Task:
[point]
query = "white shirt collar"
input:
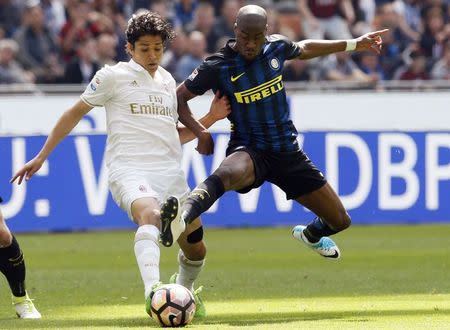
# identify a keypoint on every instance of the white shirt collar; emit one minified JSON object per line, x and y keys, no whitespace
{"x":136,"y":66}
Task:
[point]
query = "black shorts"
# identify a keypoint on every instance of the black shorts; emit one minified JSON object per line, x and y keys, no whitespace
{"x":1,"y":200}
{"x":293,"y":172}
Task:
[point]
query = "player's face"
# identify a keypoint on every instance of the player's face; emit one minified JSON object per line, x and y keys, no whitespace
{"x":147,"y":51}
{"x":249,"y":42}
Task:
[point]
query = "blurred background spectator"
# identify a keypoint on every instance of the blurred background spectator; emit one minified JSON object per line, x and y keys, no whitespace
{"x":196,"y":53}
{"x":82,"y":67}
{"x":38,"y":49}
{"x":10,"y":70}
{"x":51,"y":36}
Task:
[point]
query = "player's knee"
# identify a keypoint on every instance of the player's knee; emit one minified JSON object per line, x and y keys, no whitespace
{"x":196,"y":236}
{"x":5,"y":237}
{"x":147,"y":216}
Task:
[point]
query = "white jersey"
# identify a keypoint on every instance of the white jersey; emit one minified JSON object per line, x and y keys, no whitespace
{"x":141,"y":117}
{"x":143,"y":151}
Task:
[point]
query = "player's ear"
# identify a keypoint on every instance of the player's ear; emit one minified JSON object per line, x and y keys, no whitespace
{"x":129,"y":48}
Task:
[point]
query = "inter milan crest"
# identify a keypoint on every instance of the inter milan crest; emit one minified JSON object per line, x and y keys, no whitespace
{"x":274,"y":64}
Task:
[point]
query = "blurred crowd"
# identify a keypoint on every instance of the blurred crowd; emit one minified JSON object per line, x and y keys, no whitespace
{"x":67,"y":41}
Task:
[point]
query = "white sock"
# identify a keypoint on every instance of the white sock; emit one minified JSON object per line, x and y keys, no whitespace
{"x":188,"y":270}
{"x":146,"y":249}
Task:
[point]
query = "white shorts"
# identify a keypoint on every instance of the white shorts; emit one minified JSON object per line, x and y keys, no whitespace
{"x":130,"y":185}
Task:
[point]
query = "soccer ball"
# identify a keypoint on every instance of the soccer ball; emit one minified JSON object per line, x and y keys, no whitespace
{"x":173,"y":305}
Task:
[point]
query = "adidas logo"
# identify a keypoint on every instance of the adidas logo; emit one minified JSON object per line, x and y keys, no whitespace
{"x":133,"y":84}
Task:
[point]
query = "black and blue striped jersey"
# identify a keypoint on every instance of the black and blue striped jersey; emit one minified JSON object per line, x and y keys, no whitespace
{"x":259,"y":109}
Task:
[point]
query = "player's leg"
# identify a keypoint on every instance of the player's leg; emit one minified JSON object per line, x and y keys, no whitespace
{"x":236,"y":171}
{"x":191,"y":259}
{"x":12,"y":265}
{"x":145,"y":213}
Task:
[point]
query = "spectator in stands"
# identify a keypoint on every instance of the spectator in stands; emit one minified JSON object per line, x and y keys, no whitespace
{"x":106,"y":49}
{"x":224,"y":25}
{"x":38,"y":51}
{"x":10,"y":70}
{"x":296,"y":71}
{"x":184,"y":11}
{"x":387,"y":17}
{"x":55,"y":16}
{"x":391,"y":55}
{"x":416,"y":69}
{"x":435,"y":34}
{"x":203,"y":21}
{"x":364,"y":12}
{"x":341,"y":67}
{"x":162,"y":8}
{"x":197,"y":53}
{"x":9,"y":16}
{"x":322,"y":18}
{"x":441,"y":69}
{"x":77,"y":29}
{"x":84,"y":66}
{"x":177,"y":48}
{"x":370,"y":65}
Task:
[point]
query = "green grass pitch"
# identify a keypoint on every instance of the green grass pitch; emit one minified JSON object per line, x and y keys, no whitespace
{"x":390,"y":277}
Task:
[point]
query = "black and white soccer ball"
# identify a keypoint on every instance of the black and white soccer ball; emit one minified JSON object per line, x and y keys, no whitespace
{"x":172,"y":305}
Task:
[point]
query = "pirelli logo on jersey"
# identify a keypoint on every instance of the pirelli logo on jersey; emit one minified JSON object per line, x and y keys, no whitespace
{"x":261,"y":91}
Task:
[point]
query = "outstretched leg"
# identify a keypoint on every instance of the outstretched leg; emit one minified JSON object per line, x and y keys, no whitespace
{"x":12,"y":265}
{"x":234,"y":173}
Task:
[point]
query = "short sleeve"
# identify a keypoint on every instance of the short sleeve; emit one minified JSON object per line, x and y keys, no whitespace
{"x":100,"y":89}
{"x":290,"y":49}
{"x":201,"y":79}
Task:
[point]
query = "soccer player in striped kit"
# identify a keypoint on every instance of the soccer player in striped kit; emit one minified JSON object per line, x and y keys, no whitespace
{"x":263,"y":143}
{"x":12,"y":265}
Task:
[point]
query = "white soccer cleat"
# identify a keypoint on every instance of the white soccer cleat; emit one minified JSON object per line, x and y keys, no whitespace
{"x":171,"y":223}
{"x":25,"y":308}
{"x":326,"y":247}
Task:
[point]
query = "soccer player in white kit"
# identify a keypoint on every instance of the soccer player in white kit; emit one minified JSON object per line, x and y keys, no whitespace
{"x":143,"y":151}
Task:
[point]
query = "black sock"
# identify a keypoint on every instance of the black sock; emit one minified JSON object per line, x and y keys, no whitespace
{"x":12,"y":265}
{"x":202,"y":197}
{"x":316,"y":229}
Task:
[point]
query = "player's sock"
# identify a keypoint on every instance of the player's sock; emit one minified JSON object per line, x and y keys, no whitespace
{"x":317,"y":229}
{"x":202,"y":197}
{"x":188,"y":271}
{"x":146,"y":249}
{"x":12,"y":265}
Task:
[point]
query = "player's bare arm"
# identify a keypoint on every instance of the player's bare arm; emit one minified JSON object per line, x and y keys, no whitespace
{"x":371,"y":41}
{"x":220,"y":109}
{"x":205,"y":142}
{"x":64,"y":126}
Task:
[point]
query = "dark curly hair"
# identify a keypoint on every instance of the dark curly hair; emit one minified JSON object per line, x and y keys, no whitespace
{"x":148,"y":23}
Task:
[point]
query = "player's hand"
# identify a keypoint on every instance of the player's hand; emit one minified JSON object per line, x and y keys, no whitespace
{"x":205,"y":144}
{"x":371,"y":41}
{"x":28,"y":170}
{"x":220,"y":107}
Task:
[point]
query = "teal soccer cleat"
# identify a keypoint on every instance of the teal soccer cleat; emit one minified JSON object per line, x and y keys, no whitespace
{"x":325,"y":247}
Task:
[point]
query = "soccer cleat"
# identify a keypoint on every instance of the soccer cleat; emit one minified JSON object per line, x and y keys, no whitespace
{"x":148,"y":300}
{"x":200,"y":310}
{"x":171,"y":223}
{"x":325,"y":246}
{"x":25,"y":308}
